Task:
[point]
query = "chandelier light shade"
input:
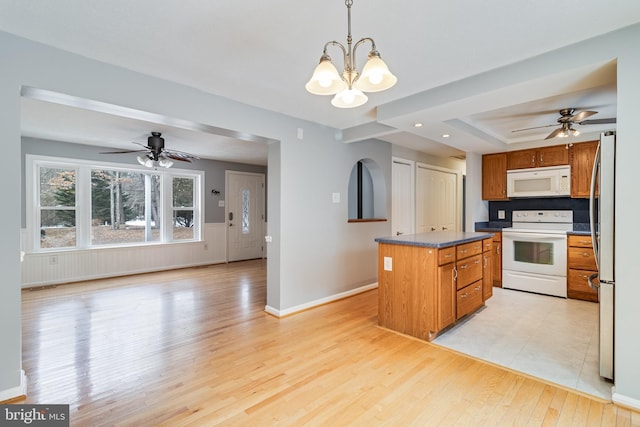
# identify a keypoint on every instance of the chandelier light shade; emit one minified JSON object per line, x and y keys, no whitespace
{"x":348,"y":88}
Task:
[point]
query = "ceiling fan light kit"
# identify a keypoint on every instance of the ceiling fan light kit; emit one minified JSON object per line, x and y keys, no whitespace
{"x":348,"y":88}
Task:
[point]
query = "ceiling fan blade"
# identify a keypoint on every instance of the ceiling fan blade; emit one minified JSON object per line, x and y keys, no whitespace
{"x":121,"y":152}
{"x":536,"y":127}
{"x":179,"y":154}
{"x":597,"y":121}
{"x":554,"y":133}
{"x":582,"y":115}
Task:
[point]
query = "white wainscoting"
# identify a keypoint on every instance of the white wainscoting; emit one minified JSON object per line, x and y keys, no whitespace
{"x":39,"y":269}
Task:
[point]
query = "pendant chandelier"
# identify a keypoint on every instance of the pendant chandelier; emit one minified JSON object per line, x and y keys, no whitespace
{"x":348,"y":88}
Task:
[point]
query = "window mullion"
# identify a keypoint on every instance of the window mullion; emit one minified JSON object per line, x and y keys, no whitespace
{"x":83,"y":207}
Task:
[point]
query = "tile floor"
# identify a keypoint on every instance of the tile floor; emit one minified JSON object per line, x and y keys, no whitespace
{"x":548,"y":337}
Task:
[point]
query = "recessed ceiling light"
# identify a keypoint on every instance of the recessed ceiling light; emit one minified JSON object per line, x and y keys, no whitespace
{"x":445,"y":135}
{"x":417,"y":125}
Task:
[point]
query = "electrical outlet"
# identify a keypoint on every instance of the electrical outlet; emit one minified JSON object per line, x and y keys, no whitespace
{"x":206,"y":247}
{"x":388,"y":263}
{"x":53,"y":260}
{"x":501,"y":214}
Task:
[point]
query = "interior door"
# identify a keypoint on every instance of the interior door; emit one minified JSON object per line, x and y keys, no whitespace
{"x":436,"y":196}
{"x":402,"y":201}
{"x":245,"y":215}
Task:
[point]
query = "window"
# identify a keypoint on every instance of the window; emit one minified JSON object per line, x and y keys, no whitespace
{"x":57,"y":207}
{"x":80,"y":205}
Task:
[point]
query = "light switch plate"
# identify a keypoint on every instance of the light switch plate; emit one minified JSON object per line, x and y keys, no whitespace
{"x":501,"y":214}
{"x":335,"y":197}
{"x":388,"y":263}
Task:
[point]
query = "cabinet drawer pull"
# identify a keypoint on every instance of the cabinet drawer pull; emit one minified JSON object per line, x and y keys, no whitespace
{"x":462,"y":267}
{"x":585,"y":254}
{"x":477,"y":261}
{"x":464,"y":295}
{"x":448,"y":255}
{"x":464,"y":251}
{"x":477,"y":288}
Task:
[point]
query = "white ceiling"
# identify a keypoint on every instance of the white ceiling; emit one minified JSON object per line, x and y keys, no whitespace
{"x":262,"y":53}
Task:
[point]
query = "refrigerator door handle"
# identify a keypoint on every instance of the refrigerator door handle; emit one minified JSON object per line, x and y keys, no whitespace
{"x":592,"y":206}
{"x":593,"y":285}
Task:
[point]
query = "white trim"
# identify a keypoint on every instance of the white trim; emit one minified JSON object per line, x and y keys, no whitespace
{"x":623,"y":400}
{"x":319,"y":302}
{"x":14,"y":392}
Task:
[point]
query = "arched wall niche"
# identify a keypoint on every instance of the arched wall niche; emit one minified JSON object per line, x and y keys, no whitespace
{"x":367,"y":192}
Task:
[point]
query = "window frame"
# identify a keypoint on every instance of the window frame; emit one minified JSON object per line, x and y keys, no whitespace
{"x":83,"y":169}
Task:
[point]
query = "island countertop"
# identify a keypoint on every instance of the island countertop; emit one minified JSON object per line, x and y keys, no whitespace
{"x":435,"y":239}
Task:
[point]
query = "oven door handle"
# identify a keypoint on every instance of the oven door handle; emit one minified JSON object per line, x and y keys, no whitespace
{"x":532,"y":236}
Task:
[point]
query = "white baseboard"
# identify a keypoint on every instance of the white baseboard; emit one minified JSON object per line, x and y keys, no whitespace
{"x":626,"y":401}
{"x":14,"y":392}
{"x":318,"y":302}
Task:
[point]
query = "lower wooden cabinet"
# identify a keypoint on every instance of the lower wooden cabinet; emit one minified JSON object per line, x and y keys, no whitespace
{"x":487,"y":269}
{"x":581,"y":263}
{"x":446,"y":313}
{"x":469,"y":299}
{"x":423,"y":290}
{"x":497,"y":259}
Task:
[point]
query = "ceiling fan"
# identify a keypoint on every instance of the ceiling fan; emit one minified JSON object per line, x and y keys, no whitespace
{"x":569,"y":117}
{"x":156,"y":153}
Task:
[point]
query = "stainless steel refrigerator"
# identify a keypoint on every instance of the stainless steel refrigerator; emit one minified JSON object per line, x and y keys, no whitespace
{"x":601,"y":212}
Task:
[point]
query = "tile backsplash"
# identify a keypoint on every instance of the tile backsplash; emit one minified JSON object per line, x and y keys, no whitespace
{"x":580,"y":207}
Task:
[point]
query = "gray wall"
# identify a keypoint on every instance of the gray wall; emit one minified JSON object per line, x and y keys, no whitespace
{"x":214,"y":170}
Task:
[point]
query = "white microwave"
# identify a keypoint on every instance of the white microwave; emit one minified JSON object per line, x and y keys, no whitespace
{"x":553,"y":181}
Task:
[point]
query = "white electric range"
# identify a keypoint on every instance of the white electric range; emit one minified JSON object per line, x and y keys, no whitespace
{"x":535,"y":252}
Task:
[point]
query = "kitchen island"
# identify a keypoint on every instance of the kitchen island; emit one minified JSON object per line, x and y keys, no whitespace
{"x":428,"y":281}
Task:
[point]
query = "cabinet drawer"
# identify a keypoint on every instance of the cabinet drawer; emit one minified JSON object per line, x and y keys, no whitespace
{"x":469,"y":270}
{"x":446,"y":255}
{"x":487,"y":245}
{"x":469,"y":249}
{"x":578,"y":285}
{"x":579,"y":241}
{"x":468,"y":299}
{"x":581,"y":259}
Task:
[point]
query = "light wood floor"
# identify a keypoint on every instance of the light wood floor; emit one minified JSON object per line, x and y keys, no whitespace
{"x":194,"y":347}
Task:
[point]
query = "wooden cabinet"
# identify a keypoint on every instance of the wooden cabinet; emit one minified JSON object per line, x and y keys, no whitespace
{"x":581,"y":264}
{"x":469,"y":281}
{"x":582,"y":156}
{"x":423,"y":290}
{"x":446,"y":313}
{"x":538,"y":157}
{"x":487,"y":269}
{"x":497,"y":259}
{"x":494,"y":176}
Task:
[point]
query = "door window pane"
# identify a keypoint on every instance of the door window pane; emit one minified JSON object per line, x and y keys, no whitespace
{"x":245,"y":211}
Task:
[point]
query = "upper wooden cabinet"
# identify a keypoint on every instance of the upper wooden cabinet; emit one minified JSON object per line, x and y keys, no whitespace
{"x":582,"y":156}
{"x":494,"y":176}
{"x":538,"y":157}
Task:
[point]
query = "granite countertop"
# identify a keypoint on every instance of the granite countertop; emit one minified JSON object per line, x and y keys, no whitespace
{"x":436,"y":239}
